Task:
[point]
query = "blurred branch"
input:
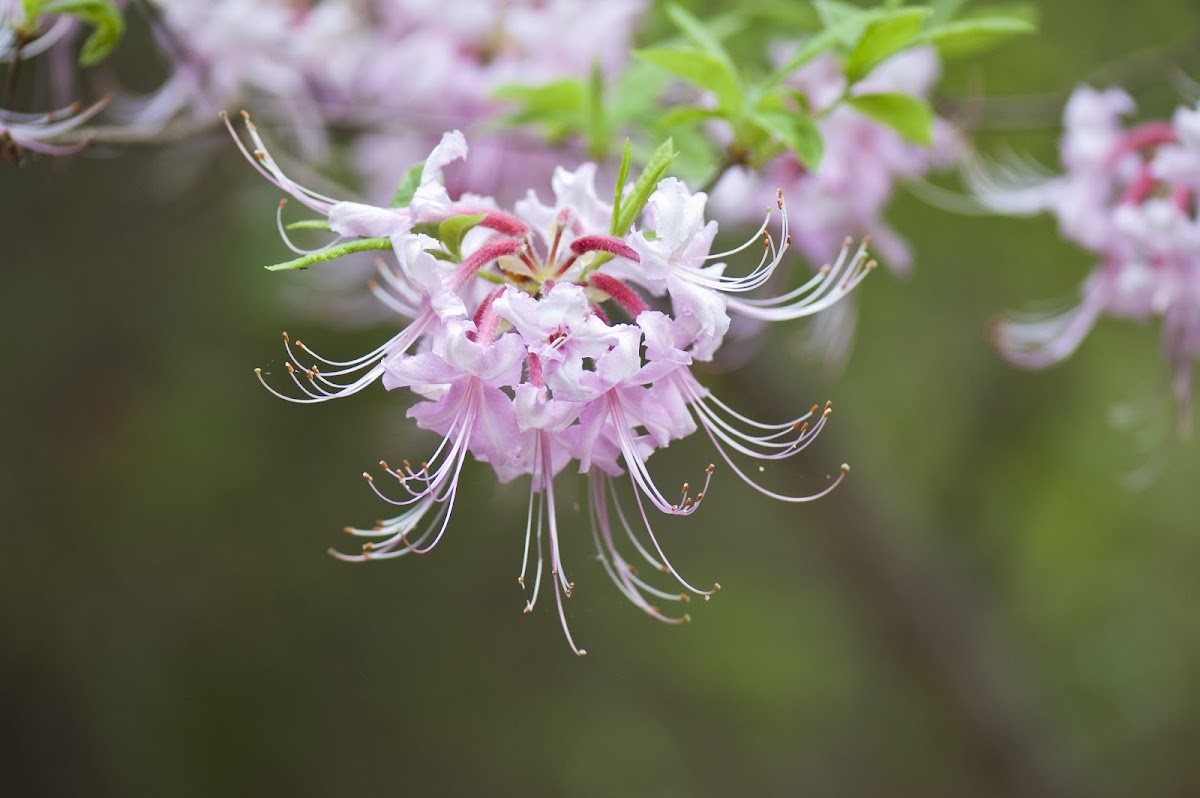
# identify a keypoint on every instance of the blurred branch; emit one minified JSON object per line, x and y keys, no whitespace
{"x":926,"y":612}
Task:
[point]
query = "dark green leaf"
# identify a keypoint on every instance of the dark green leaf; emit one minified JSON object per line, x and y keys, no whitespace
{"x":909,"y":116}
{"x":408,"y":186}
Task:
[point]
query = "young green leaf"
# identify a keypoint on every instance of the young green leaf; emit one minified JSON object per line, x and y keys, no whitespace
{"x":332,"y":252}
{"x":834,"y":13}
{"x":797,"y":131}
{"x":655,"y":169}
{"x":883,"y":38}
{"x":452,"y":231}
{"x":408,"y":186}
{"x":699,"y":34}
{"x":309,"y":224}
{"x":968,"y":36}
{"x":103,"y":16}
{"x":622,"y":176}
{"x":909,"y":116}
{"x":595,"y":124}
{"x":686,"y":115}
{"x":555,"y":103}
{"x":700,"y":69}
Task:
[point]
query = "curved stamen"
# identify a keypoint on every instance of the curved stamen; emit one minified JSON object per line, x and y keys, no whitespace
{"x":832,"y":283}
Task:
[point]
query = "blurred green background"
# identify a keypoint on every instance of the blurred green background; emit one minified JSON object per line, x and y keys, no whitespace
{"x":983,"y":609}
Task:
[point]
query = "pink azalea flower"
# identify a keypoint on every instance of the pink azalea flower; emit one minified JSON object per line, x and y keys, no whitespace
{"x":1129,"y":194}
{"x":533,"y":345}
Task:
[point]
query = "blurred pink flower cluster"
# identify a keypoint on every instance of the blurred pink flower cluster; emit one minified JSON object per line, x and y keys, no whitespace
{"x":863,"y":159}
{"x":1129,"y":195}
{"x":555,"y":334}
{"x":400,"y":71}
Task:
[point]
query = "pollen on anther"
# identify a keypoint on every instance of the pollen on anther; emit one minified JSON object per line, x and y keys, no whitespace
{"x":368,"y":546}
{"x":290,"y":369}
{"x":286,"y":338}
{"x":349,"y":530}
{"x":283,"y":203}
{"x":845,"y":468}
{"x":368,"y":477}
{"x":710,"y":468}
{"x":685,"y":597}
{"x":383,"y":464}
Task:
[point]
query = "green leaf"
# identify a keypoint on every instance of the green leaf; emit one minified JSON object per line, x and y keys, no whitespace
{"x":595,"y":124}
{"x":883,"y":38}
{"x":686,"y":115}
{"x":557,"y":104}
{"x":622,"y":176}
{"x":309,"y":224}
{"x":100,"y":14}
{"x":332,"y":252}
{"x":909,"y":116}
{"x":797,"y":131}
{"x":943,"y":10}
{"x":452,"y":231}
{"x":700,"y":69}
{"x":834,"y":13}
{"x":699,"y":34}
{"x":845,"y":28}
{"x":408,"y":186}
{"x":32,"y":9}
{"x":969,"y":36}
{"x":655,"y":169}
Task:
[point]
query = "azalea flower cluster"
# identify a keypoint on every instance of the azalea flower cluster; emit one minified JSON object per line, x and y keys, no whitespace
{"x":23,"y":38}
{"x":556,"y":334}
{"x":1129,"y":195}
